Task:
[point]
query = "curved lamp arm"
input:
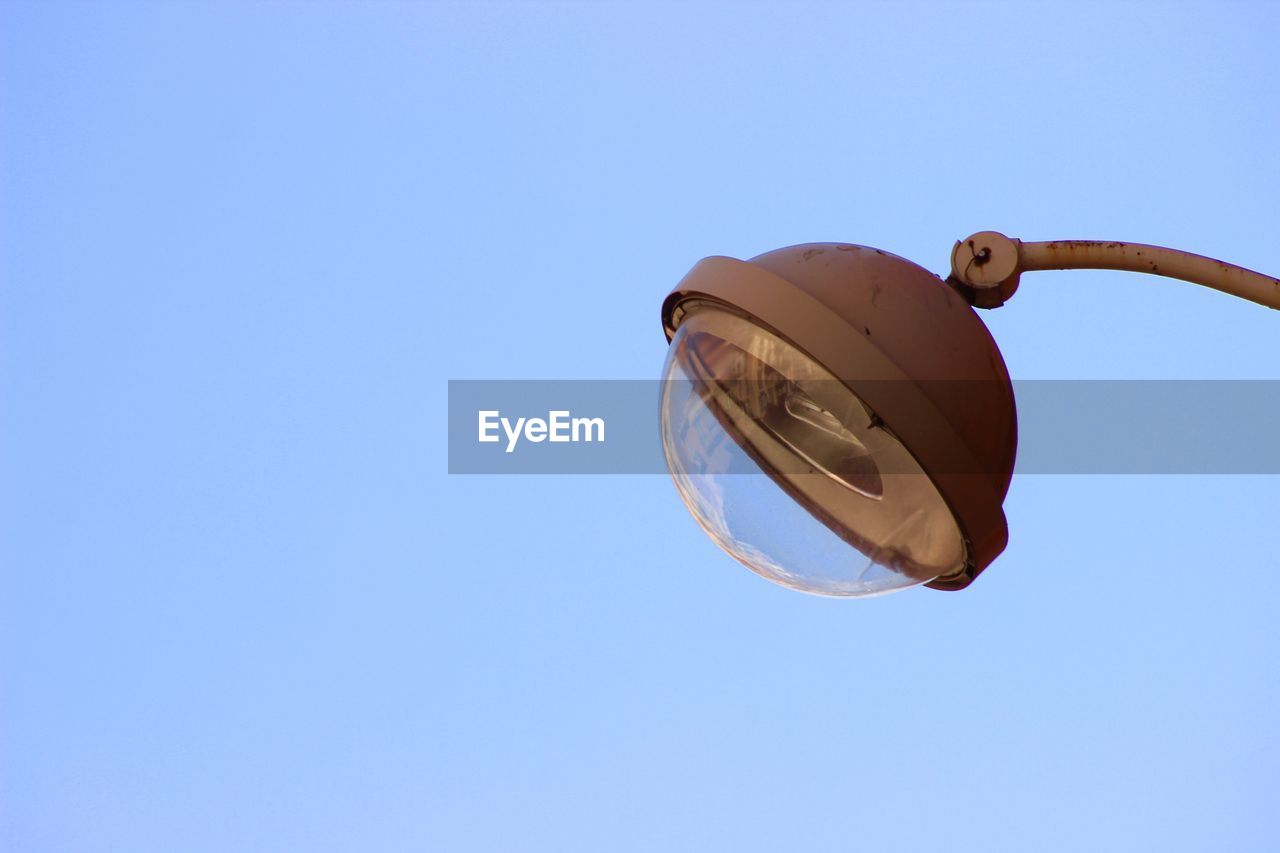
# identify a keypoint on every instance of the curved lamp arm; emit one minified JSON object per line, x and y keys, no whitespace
{"x":985,"y":267}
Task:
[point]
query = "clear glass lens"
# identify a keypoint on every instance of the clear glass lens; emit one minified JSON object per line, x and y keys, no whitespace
{"x":843,"y":508}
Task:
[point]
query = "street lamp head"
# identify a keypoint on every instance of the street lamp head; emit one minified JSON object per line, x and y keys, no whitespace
{"x":838,"y":419}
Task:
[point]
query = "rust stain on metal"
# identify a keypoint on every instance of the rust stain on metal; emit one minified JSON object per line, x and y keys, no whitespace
{"x":1072,"y":245}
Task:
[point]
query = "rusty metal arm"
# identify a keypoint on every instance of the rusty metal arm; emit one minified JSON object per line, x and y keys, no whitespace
{"x":985,"y":267}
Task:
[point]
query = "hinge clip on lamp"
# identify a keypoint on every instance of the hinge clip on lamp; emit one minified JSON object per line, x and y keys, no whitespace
{"x":840,"y":421}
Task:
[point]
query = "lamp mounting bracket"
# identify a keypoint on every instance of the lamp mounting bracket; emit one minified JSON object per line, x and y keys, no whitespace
{"x":986,"y":267}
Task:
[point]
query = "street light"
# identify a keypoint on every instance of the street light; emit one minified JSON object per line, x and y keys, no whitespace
{"x":839,"y":419}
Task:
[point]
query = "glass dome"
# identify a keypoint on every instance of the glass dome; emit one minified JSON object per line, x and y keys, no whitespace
{"x":788,"y":471}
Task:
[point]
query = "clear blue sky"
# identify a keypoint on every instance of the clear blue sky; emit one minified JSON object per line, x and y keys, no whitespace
{"x":243,"y":607}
